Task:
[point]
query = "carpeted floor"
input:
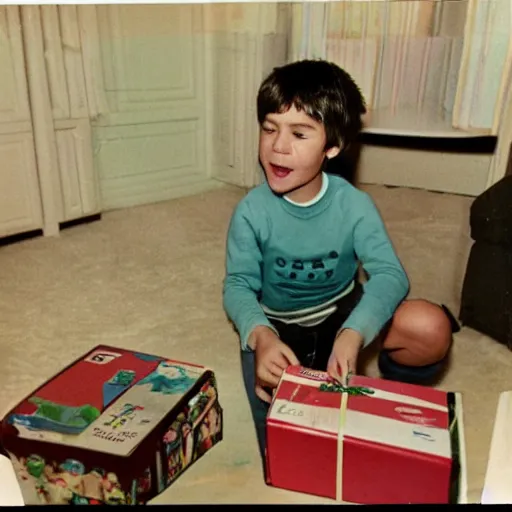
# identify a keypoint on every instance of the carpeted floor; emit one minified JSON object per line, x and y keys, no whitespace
{"x":149,"y":278}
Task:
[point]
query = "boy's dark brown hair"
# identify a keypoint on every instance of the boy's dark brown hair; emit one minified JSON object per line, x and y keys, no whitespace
{"x":323,"y":91}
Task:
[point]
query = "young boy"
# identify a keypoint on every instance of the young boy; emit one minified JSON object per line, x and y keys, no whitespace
{"x":295,"y":242}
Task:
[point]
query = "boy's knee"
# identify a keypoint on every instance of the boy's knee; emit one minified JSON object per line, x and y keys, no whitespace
{"x":424,"y":332}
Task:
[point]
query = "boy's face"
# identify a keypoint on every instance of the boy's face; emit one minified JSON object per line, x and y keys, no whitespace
{"x":292,"y":150}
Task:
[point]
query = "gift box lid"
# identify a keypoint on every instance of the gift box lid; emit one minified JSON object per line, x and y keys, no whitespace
{"x":107,"y":401}
{"x":403,"y":416}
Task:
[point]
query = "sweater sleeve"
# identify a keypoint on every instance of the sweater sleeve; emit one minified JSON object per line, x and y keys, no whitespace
{"x":387,"y":285}
{"x":242,"y":283}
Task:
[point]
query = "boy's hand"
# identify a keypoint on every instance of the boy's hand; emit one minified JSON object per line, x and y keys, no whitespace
{"x":343,"y":359}
{"x":272,"y":357}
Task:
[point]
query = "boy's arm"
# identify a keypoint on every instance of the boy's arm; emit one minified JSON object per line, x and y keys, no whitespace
{"x":242,"y":283}
{"x":387,"y":285}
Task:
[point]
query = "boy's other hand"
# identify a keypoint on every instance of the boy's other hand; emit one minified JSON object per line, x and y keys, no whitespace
{"x":343,"y":359}
{"x":272,"y":357}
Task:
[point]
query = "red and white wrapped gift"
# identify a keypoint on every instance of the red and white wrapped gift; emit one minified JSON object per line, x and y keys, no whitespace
{"x":375,"y":442}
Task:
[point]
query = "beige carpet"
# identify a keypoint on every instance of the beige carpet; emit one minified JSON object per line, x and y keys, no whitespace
{"x":149,"y":279}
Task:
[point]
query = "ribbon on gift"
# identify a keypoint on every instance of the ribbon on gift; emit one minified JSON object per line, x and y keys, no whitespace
{"x":345,"y":391}
{"x":339,"y":458}
{"x":349,"y":390}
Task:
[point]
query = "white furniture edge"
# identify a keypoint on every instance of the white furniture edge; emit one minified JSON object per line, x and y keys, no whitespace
{"x":463,"y":477}
{"x":497,"y":489}
{"x":10,"y":492}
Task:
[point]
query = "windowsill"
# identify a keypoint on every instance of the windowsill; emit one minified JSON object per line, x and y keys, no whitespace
{"x":410,"y":122}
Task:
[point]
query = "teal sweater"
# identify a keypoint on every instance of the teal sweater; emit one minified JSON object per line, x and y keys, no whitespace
{"x":290,"y":257}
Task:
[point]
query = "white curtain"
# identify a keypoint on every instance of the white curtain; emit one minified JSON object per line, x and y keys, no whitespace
{"x":423,"y":65}
{"x":484,"y":75}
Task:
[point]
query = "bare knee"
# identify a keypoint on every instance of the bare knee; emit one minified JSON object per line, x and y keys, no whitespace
{"x":420,"y":333}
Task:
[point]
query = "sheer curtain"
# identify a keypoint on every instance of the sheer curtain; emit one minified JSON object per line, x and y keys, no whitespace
{"x":484,"y":75}
{"x":426,"y":66}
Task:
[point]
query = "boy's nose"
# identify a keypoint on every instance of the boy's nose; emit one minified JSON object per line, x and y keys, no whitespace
{"x":281,"y":144}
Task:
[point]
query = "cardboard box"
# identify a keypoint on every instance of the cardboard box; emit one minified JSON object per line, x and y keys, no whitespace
{"x":114,"y":427}
{"x":379,"y":442}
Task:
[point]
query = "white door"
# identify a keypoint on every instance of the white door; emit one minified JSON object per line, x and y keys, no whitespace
{"x":76,"y":184}
{"x":20,"y":204}
{"x":144,"y":67}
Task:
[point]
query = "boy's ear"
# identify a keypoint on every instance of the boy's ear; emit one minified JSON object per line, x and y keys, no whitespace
{"x":332,"y":152}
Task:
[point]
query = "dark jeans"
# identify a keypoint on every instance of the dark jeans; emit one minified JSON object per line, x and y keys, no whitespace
{"x":313,"y":345}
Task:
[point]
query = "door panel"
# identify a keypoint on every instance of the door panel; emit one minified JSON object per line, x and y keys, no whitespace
{"x":149,"y":137}
{"x":76,"y":182}
{"x":20,"y":203}
{"x":14,"y":104}
{"x":80,"y":194}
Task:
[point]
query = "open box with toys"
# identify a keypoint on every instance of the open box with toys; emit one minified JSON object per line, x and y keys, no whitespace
{"x":114,"y":427}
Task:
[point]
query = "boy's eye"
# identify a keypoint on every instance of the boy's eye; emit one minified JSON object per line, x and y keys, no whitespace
{"x":267,"y":129}
{"x":299,"y":135}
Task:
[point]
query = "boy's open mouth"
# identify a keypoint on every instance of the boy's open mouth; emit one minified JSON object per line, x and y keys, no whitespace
{"x":280,"y":171}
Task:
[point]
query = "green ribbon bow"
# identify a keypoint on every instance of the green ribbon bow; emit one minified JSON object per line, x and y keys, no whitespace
{"x":350,"y":390}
